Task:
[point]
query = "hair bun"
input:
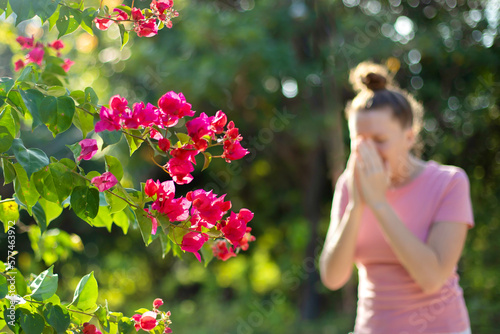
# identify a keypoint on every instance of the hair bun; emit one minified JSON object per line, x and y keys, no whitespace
{"x":374,"y":81}
{"x":370,"y":76}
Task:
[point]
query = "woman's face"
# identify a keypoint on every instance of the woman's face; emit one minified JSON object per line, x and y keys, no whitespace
{"x":392,"y":141}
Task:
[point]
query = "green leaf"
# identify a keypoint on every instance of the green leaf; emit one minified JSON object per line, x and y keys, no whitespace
{"x":207,"y":253}
{"x":29,"y":74}
{"x":13,"y":319}
{"x":78,"y":95}
{"x":68,"y":21}
{"x":32,"y":159}
{"x":5,"y":86}
{"x":32,"y":99}
{"x":6,"y":139}
{"x":85,"y":202}
{"x":116,"y":204}
{"x":4,"y":288}
{"x":52,"y":210}
{"x":83,"y":121}
{"x":9,"y":211}
{"x":23,"y":10}
{"x":45,"y":285}
{"x":44,"y":9}
{"x":124,"y":35}
{"x":55,"y":182}
{"x":9,"y":119}
{"x":25,"y":191}
{"x":91,"y":96}
{"x":126,"y":326}
{"x":57,"y":316}
{"x":114,"y":166}
{"x":88,"y":16}
{"x":102,"y":315}
{"x":40,"y":217}
{"x":53,"y":19}
{"x":183,"y":138}
{"x":208,"y":159}
{"x":57,"y":113}
{"x":133,"y":142}
{"x":85,"y":296}
{"x":32,"y":323}
{"x":166,"y":244}
{"x":9,"y":172}
{"x":110,"y":137}
{"x":103,"y":218}
{"x":145,"y":225}
{"x":20,"y":282}
{"x":57,"y":91}
{"x":16,"y":99}
{"x":123,"y":219}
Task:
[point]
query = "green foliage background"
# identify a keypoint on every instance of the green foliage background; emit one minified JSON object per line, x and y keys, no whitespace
{"x":237,"y":56}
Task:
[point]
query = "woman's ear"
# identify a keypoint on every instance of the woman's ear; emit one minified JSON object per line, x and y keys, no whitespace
{"x":410,"y":138}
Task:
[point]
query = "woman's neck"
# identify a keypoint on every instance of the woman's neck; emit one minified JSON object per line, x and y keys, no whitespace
{"x":407,"y":171}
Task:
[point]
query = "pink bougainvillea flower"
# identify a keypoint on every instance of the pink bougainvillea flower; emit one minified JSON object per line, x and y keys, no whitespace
{"x":221,"y":251}
{"x":18,"y":65}
{"x":67,"y":64}
{"x":161,"y":5}
{"x":26,"y":42}
{"x":169,"y":26}
{"x":180,"y":170}
{"x":112,"y":118}
{"x":243,"y":242}
{"x":207,"y":208}
{"x":151,"y":187}
{"x":173,"y":107}
{"x":167,"y":330}
{"x":121,"y":14}
{"x":154,"y":222}
{"x":148,"y":321}
{"x":56,"y":45}
{"x":233,"y":150}
{"x":104,"y":182}
{"x":218,"y":122}
{"x":137,"y":14}
{"x":198,"y":128}
{"x":140,"y":115}
{"x":147,"y":28}
{"x":232,"y":132}
{"x":164,"y":144}
{"x":90,"y":329}
{"x":155,"y":134}
{"x":186,"y":152}
{"x":193,"y":241}
{"x":157,"y":302}
{"x":89,"y":148}
{"x":36,"y":55}
{"x":234,"y":227}
{"x":102,"y":23}
{"x":176,"y":209}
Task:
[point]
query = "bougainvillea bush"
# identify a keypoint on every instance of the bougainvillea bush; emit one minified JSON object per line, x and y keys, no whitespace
{"x":201,"y":223}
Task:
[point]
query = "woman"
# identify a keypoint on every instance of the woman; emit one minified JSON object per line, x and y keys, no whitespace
{"x":402,"y":221}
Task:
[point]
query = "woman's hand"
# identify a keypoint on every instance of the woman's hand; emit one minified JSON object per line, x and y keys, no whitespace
{"x":355,"y":199}
{"x":371,"y":174}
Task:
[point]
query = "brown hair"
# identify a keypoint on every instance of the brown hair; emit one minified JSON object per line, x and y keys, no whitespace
{"x":376,"y":89}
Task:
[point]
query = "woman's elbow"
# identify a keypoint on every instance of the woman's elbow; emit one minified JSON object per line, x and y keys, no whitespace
{"x":333,"y":283}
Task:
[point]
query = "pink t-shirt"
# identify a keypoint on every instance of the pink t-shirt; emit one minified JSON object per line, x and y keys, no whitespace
{"x":389,"y":300}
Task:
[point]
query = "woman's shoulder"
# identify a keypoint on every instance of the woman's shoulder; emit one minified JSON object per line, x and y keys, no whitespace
{"x":446,"y":174}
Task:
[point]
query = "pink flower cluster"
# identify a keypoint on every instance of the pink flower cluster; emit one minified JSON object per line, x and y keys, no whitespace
{"x":37,"y":52}
{"x":146,"y":22}
{"x":171,"y":108}
{"x":90,"y":329}
{"x":148,"y":320}
{"x":204,"y":211}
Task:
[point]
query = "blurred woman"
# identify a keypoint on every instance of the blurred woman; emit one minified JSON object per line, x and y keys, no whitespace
{"x":402,"y":221}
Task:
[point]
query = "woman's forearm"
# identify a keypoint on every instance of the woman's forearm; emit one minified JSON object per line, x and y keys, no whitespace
{"x":337,"y":257}
{"x":418,"y":258}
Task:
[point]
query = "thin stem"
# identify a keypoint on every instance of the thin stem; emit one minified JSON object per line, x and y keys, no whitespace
{"x":7,"y":157}
{"x":88,"y":112}
{"x":164,"y":169}
{"x":69,"y":309}
{"x":131,"y":135}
